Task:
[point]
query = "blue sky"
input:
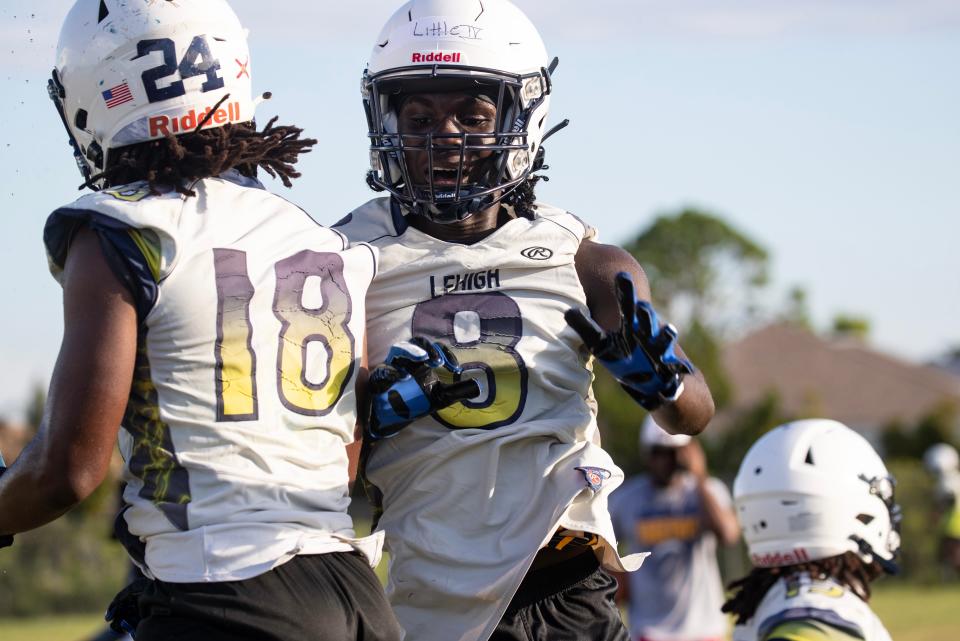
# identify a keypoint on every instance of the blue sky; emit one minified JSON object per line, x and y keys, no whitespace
{"x":825,"y":129}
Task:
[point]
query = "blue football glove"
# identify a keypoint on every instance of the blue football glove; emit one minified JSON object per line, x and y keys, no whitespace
{"x":407,"y":386}
{"x":6,"y":540}
{"x":641,"y":354}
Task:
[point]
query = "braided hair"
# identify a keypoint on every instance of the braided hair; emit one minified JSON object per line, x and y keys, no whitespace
{"x":179,"y":161}
{"x":522,"y":198}
{"x":847,"y":569}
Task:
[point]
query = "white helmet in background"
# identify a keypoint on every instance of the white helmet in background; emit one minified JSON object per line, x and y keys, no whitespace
{"x":941,"y":459}
{"x":814,"y":489}
{"x":131,"y":71}
{"x":490,"y":48}
{"x":652,"y":435}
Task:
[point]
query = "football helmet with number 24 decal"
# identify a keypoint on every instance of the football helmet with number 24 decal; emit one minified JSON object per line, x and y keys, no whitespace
{"x":132,"y":71}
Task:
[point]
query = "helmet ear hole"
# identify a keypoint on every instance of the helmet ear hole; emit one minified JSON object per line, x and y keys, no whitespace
{"x":81,"y":119}
{"x":104,"y":12}
{"x":866,"y":519}
{"x":809,"y":458}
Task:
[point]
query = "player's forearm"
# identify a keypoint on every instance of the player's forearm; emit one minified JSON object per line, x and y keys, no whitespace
{"x":717,"y":518}
{"x":690,"y":413}
{"x":32,"y":495}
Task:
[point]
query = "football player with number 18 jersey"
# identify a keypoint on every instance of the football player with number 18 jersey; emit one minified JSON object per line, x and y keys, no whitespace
{"x":494,"y":507}
{"x":218,"y":323}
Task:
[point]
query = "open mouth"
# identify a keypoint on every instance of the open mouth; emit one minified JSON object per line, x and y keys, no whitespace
{"x":447,"y":177}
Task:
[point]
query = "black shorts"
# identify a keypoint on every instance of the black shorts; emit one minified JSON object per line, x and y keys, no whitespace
{"x":570,"y":601}
{"x":325,"y":597}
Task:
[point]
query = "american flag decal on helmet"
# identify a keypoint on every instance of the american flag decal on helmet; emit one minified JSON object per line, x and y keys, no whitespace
{"x":116,"y":96}
{"x":595,"y":476}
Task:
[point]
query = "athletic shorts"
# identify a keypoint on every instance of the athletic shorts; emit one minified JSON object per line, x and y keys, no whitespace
{"x":570,"y":601}
{"x":325,"y":597}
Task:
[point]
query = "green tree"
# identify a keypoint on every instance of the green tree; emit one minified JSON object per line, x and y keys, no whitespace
{"x":902,"y":441}
{"x":696,"y":260}
{"x":852,"y":326}
{"x":703,"y":274}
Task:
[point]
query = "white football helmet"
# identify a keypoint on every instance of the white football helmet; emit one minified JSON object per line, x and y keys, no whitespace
{"x":815,"y":489}
{"x":652,"y":435}
{"x":130,"y":71}
{"x":941,"y":459}
{"x":489,"y":48}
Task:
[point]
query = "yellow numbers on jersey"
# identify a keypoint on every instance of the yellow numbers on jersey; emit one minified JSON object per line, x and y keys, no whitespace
{"x":300,"y":326}
{"x":483,"y":331}
{"x":326,"y":325}
{"x":236,"y":362}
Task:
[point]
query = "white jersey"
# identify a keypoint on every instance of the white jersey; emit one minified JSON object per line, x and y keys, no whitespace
{"x":251,"y":329}
{"x":799,"y":607}
{"x":471,"y":493}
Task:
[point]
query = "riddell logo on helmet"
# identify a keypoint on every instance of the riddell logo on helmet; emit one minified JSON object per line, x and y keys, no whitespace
{"x":166,"y":125}
{"x":436,"y":56}
{"x":776,"y":559}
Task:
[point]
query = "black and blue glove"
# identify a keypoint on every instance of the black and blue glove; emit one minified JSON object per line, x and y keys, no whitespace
{"x":123,"y":614}
{"x":641,"y":354}
{"x":408,"y":386}
{"x":6,"y":540}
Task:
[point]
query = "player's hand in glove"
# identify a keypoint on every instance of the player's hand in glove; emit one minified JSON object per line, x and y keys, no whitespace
{"x":641,"y":354}
{"x":6,"y":540}
{"x":407,"y":386}
{"x":123,"y":614}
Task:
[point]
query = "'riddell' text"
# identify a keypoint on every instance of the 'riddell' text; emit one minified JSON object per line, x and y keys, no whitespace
{"x":435,"y":56}
{"x":776,"y":559}
{"x":165,"y":125}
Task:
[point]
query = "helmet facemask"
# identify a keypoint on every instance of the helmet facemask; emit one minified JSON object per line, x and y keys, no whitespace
{"x":477,"y":168}
{"x":883,"y":488}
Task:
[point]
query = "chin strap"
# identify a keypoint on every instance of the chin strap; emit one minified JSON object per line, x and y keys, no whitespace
{"x":887,"y":565}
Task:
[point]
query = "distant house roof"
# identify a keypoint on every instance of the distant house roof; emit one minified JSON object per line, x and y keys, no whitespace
{"x":841,"y":379}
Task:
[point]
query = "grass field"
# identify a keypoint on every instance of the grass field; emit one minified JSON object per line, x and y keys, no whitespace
{"x":910,"y":613}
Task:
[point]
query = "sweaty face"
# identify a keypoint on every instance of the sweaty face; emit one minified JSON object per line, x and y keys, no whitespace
{"x":446,"y":116}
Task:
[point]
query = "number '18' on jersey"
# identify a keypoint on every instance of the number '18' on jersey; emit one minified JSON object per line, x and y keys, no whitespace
{"x":251,"y":331}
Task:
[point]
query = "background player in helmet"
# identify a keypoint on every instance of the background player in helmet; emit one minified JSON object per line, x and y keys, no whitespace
{"x":818,"y":514}
{"x":218,"y":323}
{"x":678,"y":513}
{"x":457,"y":95}
{"x":943,"y":463}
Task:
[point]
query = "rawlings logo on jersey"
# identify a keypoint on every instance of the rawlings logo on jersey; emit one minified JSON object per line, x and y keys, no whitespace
{"x":537,"y":253}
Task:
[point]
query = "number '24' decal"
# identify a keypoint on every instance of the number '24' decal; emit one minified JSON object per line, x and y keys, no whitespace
{"x":197,"y":61}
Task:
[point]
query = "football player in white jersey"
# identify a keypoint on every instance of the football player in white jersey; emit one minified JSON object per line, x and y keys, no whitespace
{"x":218,"y":324}
{"x":816,"y":504}
{"x":495,"y":508}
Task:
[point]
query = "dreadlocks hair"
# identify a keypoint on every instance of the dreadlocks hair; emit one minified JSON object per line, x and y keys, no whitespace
{"x":848,"y":569}
{"x":522,"y":198}
{"x":179,"y":161}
